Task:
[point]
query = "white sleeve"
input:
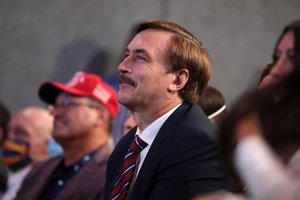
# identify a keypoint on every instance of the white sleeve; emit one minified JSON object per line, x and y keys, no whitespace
{"x":266,"y":177}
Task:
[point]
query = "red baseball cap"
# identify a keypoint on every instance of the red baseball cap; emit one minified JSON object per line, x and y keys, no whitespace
{"x":82,"y":84}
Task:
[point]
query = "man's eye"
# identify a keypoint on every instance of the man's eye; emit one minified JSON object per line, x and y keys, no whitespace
{"x":126,"y":54}
{"x":67,"y":103}
{"x":140,"y":58}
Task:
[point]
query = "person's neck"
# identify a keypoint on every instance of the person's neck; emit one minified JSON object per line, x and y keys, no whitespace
{"x":75,"y":149}
{"x":146,"y":117}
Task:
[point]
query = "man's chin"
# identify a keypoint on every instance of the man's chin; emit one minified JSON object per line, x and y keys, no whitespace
{"x":122,"y":100}
{"x":125,"y":100}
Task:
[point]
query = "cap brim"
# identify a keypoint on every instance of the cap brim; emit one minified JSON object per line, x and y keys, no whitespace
{"x":49,"y":90}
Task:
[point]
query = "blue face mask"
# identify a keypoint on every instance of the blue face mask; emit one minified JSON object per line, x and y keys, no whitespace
{"x":54,"y":148}
{"x":16,"y":153}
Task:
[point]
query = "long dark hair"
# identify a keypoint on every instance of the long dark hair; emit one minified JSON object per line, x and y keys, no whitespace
{"x":295,"y":28}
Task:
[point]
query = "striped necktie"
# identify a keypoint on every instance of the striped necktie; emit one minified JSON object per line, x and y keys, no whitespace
{"x":122,"y":184}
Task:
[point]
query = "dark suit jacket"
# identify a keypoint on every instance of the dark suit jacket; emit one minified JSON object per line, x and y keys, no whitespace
{"x":181,"y":163}
{"x":87,"y":184}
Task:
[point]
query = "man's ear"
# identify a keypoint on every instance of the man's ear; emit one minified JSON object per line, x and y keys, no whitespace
{"x":181,"y":77}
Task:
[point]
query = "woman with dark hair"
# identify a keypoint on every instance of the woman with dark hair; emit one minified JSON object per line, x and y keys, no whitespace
{"x":260,"y":140}
{"x":262,"y":130}
{"x":286,"y":55}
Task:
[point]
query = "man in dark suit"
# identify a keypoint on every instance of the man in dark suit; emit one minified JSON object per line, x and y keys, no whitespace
{"x":163,"y":74}
{"x":83,"y":110}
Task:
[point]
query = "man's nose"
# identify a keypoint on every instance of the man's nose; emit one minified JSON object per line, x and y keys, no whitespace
{"x":124,"y":66}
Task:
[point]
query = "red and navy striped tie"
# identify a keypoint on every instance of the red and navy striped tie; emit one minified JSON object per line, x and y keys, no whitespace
{"x":122,"y":184}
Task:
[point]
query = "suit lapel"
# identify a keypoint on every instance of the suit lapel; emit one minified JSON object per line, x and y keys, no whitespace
{"x":167,"y":129}
{"x":149,"y":168}
{"x":121,"y":151}
{"x":116,"y":160}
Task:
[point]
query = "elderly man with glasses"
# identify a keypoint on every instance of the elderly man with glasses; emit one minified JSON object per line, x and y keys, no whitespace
{"x":83,"y":110}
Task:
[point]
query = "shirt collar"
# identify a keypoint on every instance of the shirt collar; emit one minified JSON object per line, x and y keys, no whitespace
{"x":150,"y":132}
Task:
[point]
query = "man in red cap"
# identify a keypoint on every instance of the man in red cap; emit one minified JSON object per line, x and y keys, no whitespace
{"x":83,"y":110}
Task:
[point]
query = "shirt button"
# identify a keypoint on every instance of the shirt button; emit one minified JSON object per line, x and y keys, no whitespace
{"x":76,"y":168}
{"x":60,"y":182}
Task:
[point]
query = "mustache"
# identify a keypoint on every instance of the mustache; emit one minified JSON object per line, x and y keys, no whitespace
{"x":126,"y":79}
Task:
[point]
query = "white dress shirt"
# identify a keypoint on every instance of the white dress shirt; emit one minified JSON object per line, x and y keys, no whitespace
{"x":149,"y":134}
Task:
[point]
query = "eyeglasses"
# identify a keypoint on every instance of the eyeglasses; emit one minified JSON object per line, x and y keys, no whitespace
{"x":68,"y":103}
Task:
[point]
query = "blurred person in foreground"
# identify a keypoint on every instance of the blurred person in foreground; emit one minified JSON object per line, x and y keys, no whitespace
{"x":83,"y":110}
{"x":171,"y":154}
{"x":263,"y":131}
{"x":26,"y":143}
{"x":264,"y":128}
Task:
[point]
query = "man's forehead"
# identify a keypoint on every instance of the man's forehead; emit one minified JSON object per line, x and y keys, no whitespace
{"x":150,"y":35}
{"x":149,"y":40}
